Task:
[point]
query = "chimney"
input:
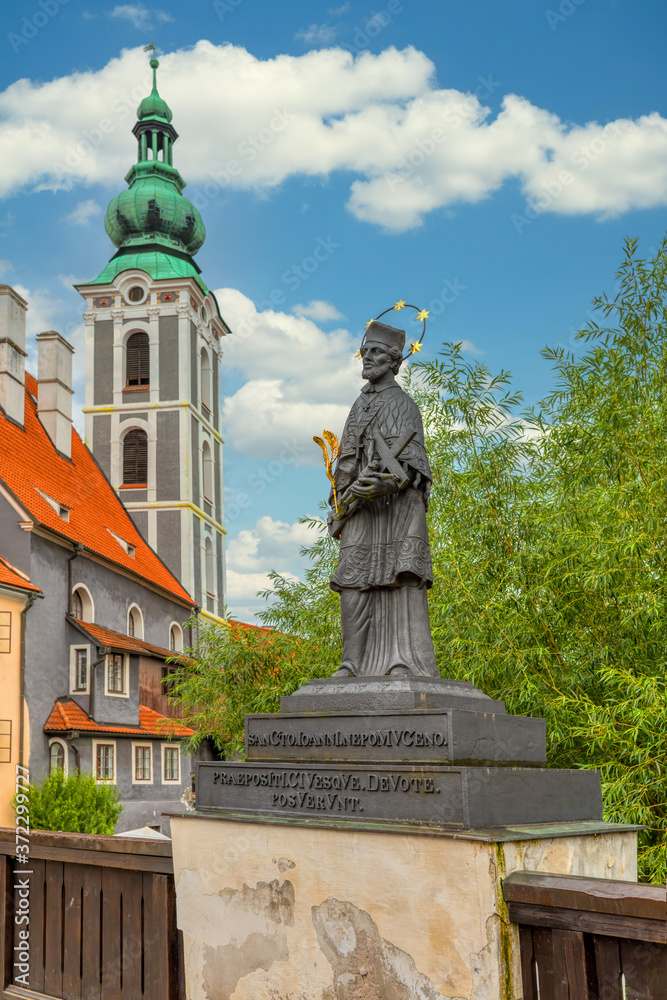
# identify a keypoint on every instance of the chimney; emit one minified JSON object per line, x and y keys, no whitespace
{"x":12,"y":353}
{"x":54,"y":397}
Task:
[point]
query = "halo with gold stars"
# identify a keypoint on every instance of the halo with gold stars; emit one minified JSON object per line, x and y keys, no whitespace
{"x":415,"y":346}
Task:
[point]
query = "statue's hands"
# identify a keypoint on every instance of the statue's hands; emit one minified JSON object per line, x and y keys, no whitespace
{"x":376,"y":484}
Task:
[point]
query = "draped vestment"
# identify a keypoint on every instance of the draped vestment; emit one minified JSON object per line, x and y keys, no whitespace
{"x":384,"y":566}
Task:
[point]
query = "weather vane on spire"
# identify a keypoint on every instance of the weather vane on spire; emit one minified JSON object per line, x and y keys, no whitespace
{"x":149,"y":48}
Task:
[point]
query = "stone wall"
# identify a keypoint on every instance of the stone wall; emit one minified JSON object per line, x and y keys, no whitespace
{"x":278,"y":912}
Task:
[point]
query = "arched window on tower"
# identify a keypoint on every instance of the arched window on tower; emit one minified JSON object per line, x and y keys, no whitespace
{"x":205,"y":381}
{"x":210,"y":568}
{"x":137,"y":361}
{"x":207,"y":469}
{"x":135,"y":458}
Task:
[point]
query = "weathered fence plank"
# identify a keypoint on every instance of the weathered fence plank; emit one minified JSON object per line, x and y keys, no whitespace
{"x":102,"y":919}
{"x":589,"y":939}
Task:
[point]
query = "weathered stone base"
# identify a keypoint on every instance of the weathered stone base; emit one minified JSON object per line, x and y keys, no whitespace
{"x":387,"y":694}
{"x":289,"y":912}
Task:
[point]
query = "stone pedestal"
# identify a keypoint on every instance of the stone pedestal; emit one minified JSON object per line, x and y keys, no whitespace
{"x":272,"y":910}
{"x":358,"y":853}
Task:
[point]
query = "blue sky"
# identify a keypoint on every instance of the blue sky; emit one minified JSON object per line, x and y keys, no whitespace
{"x":482,"y":159}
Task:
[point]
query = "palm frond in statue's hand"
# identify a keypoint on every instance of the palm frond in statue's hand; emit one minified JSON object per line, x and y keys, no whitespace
{"x":330,"y":455}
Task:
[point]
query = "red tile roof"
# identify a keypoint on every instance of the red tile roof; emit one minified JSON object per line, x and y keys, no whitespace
{"x":66,"y":714}
{"x":12,"y":577}
{"x":124,"y":643}
{"x":29,"y":462}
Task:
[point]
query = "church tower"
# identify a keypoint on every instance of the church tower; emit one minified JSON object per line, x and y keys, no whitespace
{"x":153,"y":353}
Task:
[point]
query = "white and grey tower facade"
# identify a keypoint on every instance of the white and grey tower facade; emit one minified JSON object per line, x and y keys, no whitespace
{"x":153,"y":354}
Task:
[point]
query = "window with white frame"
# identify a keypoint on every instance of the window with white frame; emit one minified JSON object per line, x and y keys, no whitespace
{"x":82,"y":604}
{"x":79,"y":669}
{"x":116,"y":674}
{"x":105,"y":760}
{"x":171,"y":764}
{"x":205,"y":368}
{"x":175,"y":638}
{"x":207,"y":471}
{"x":57,"y":757}
{"x":135,"y":622}
{"x":209,"y":564}
{"x":142,"y":757}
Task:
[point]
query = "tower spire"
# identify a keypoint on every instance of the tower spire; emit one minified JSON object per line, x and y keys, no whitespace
{"x":152,"y":218}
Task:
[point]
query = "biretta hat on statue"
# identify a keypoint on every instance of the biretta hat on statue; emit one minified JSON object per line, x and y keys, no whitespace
{"x":388,"y":336}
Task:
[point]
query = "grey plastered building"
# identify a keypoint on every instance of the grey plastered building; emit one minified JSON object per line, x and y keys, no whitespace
{"x":111,"y":612}
{"x":153,"y":353}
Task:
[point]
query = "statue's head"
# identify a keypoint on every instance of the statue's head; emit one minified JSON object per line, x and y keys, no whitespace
{"x":381,"y":351}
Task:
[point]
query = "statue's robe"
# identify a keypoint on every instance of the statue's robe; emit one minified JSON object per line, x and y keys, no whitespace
{"x":384,"y":566}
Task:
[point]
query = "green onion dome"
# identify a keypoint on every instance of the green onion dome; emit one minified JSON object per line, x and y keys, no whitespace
{"x":154,"y":207}
{"x":153,"y":204}
{"x":154,"y":106}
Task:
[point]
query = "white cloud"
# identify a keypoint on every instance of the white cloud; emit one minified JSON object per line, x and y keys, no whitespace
{"x":338,"y":11}
{"x":299,"y":380}
{"x":270,"y":545}
{"x":136,"y":13}
{"x":69,"y":280}
{"x":5,"y":267}
{"x":319,"y":310}
{"x":253,"y":553}
{"x":44,"y":313}
{"x":83,"y":213}
{"x":412,"y":148}
{"x":317,"y":34}
{"x":139,"y":15}
{"x":467,"y":347}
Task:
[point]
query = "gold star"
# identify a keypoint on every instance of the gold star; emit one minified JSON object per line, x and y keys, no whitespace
{"x":415,"y":347}
{"x":369,"y":323}
{"x":399,"y":305}
{"x":358,"y":354}
{"x":422,"y":315}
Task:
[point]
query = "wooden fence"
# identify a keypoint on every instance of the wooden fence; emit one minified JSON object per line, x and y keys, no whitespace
{"x":589,"y":939}
{"x":101,"y":919}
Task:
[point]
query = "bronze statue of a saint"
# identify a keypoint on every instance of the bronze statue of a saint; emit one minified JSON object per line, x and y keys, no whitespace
{"x":382,"y":481}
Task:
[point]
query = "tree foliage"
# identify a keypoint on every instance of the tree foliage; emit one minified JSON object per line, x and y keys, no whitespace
{"x":73,"y":804}
{"x":549,"y":541}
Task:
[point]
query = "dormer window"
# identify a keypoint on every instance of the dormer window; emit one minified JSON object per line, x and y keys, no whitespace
{"x":60,"y":509}
{"x":126,"y":546}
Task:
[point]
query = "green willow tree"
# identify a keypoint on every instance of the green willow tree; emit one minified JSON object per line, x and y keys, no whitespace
{"x":549,"y":539}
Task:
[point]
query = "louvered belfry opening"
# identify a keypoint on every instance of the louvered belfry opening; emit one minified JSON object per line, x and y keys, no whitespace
{"x":135,"y":458}
{"x":137,"y":369}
